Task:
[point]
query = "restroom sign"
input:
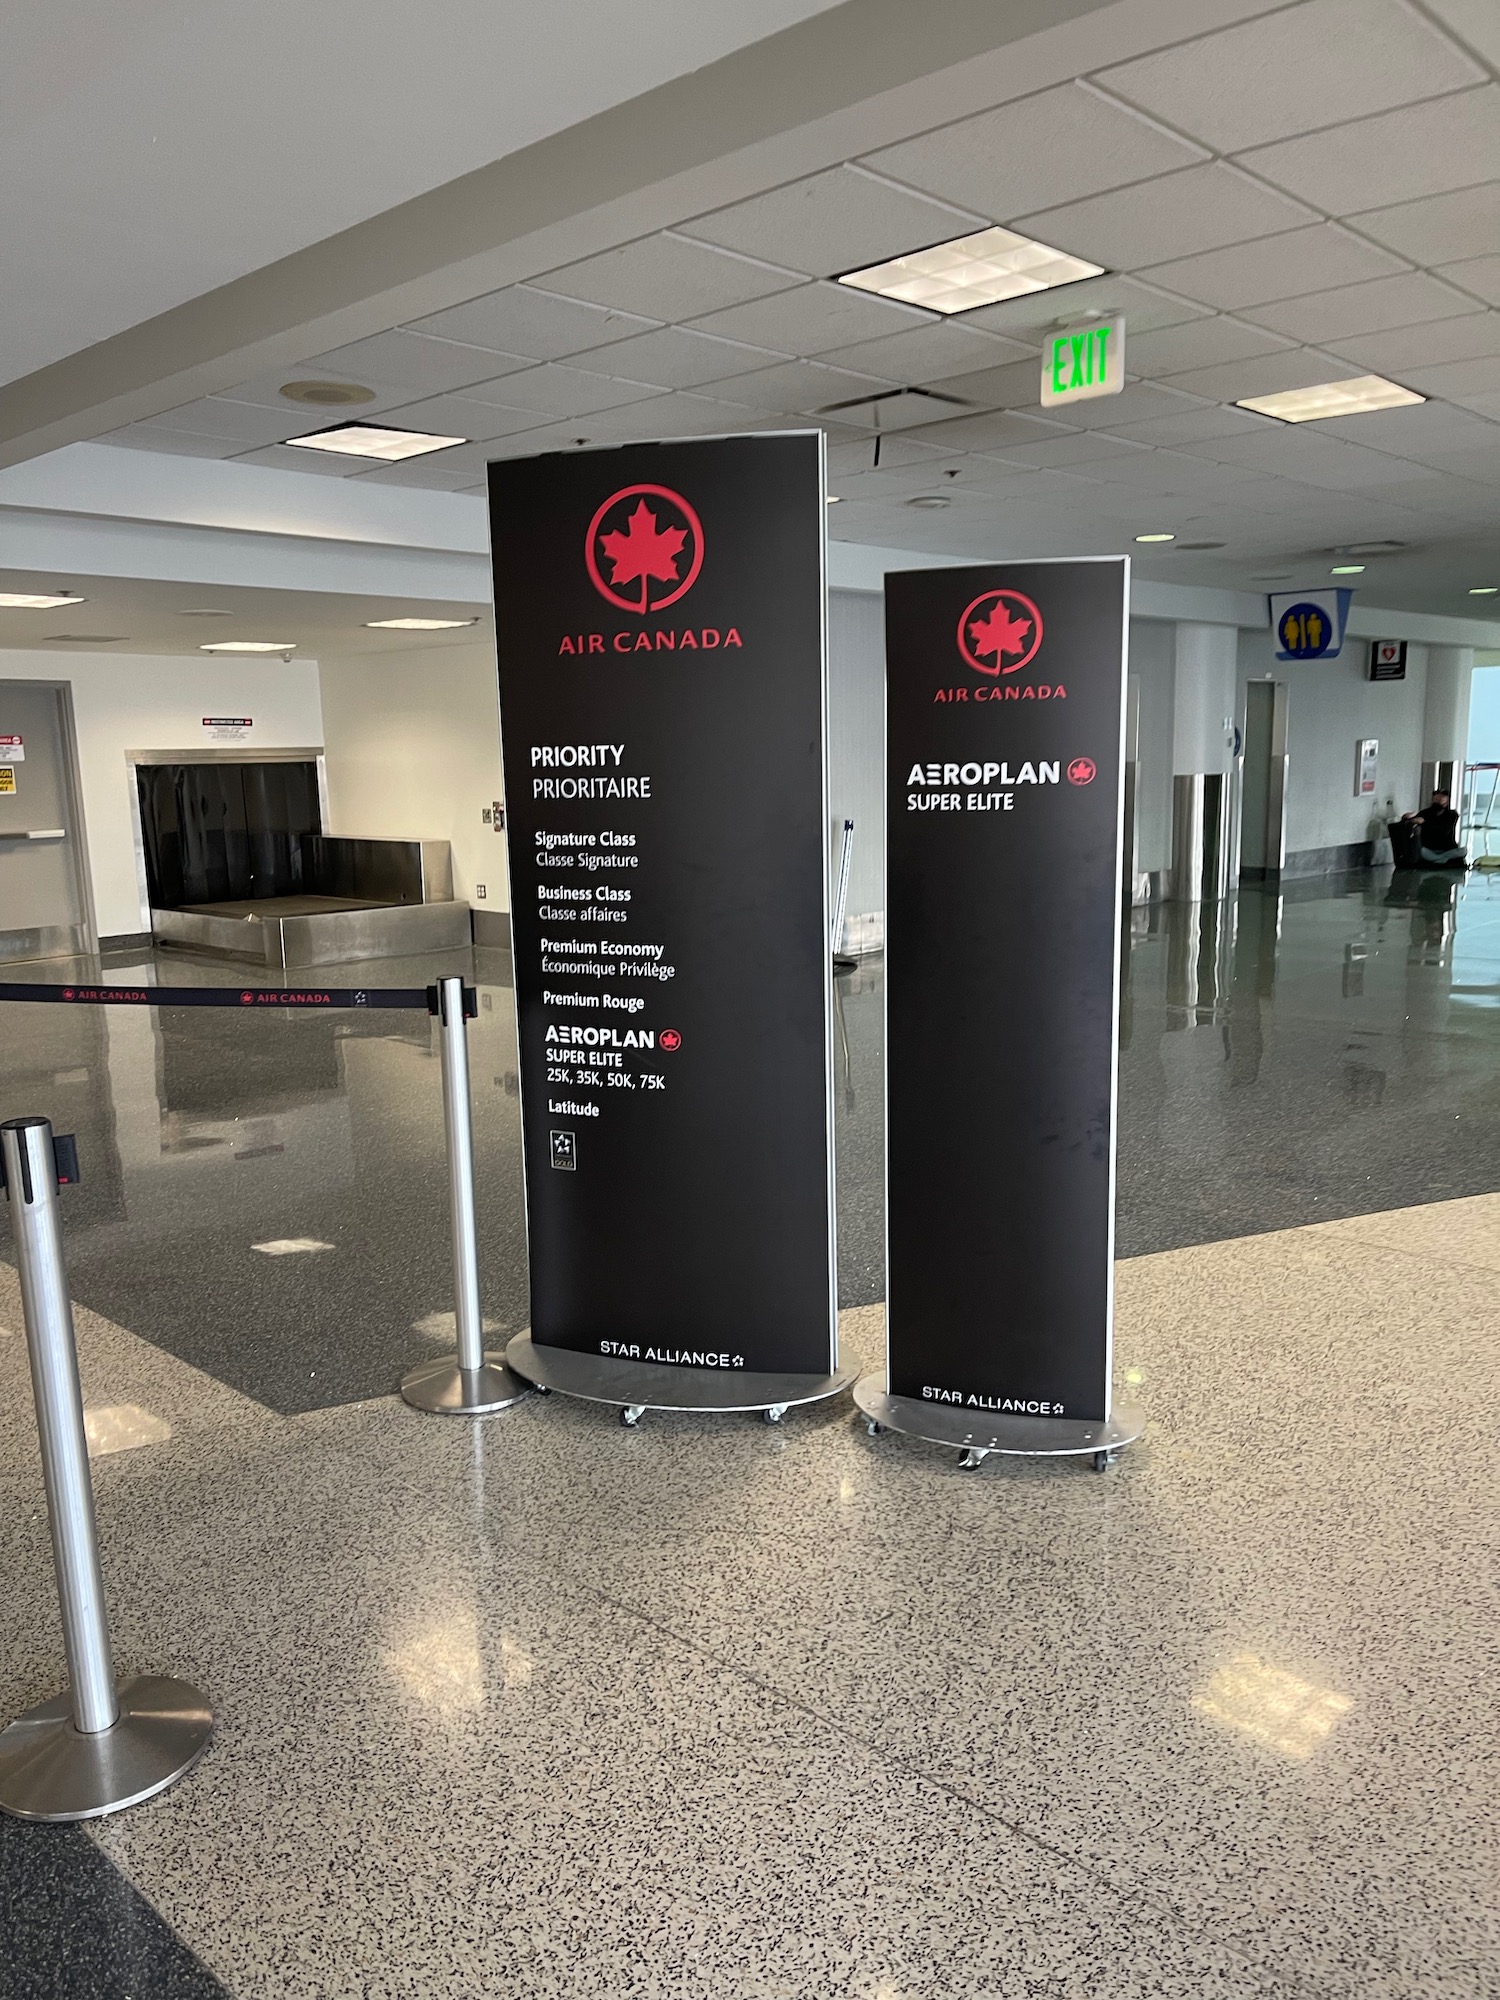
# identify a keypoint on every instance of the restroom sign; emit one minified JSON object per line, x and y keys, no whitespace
{"x":1083,"y":361}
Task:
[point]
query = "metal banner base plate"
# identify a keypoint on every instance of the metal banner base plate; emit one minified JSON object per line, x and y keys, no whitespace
{"x":446,"y":1390}
{"x":977,"y":1433}
{"x":637,"y":1386}
{"x":49,"y":1770}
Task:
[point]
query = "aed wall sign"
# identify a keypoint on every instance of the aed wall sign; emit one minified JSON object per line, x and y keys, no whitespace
{"x":1083,"y":361}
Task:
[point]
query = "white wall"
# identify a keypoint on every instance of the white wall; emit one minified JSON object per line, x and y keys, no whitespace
{"x":1331,"y":704}
{"x":413,"y":744}
{"x":131,"y":701}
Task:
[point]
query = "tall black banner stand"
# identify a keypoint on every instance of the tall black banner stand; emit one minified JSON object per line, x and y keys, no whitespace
{"x":1005,"y":737}
{"x":661,"y":632}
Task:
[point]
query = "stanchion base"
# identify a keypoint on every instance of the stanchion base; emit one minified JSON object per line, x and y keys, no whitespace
{"x":637,"y":1386}
{"x":977,"y":1433}
{"x":49,"y":1770}
{"x":446,"y":1390}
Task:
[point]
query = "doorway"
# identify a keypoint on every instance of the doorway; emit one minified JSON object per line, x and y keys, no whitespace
{"x":44,"y":897}
{"x":1263,"y":791}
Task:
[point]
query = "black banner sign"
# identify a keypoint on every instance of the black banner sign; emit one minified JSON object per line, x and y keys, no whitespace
{"x":1005,"y":759}
{"x":230,"y":996}
{"x":659,"y":620}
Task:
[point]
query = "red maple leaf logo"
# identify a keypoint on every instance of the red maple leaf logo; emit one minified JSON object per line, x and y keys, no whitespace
{"x":644,"y":551}
{"x":999,"y":633}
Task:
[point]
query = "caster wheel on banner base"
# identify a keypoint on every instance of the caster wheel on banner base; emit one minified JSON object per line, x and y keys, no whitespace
{"x":972,"y":1459}
{"x":872,"y":1429}
{"x":631,"y":1415}
{"x":773,"y":1413}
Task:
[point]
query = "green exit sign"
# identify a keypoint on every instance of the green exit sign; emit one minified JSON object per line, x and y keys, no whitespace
{"x":1083,"y":361}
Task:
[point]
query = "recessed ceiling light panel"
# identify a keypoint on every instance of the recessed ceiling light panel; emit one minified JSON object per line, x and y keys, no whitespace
{"x":1347,"y":569}
{"x":36,"y":600}
{"x":417,"y":624}
{"x":1484,"y":590}
{"x":1156,"y":538}
{"x":1354,"y":398}
{"x":378,"y":441}
{"x":971,"y":271}
{"x":250,"y":646}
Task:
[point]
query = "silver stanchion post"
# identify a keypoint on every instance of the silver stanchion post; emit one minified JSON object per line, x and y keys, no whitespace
{"x":105,"y":1744}
{"x":473,"y":1382}
{"x":841,"y":959}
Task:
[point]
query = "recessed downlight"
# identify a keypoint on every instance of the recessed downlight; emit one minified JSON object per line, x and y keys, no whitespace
{"x":929,"y":500}
{"x":205,"y":611}
{"x":417,"y":624}
{"x":328,"y":395}
{"x":250,"y":646}
{"x":37,"y":600}
{"x":833,"y":499}
{"x":1156,"y":538}
{"x":1484,"y":589}
{"x":378,"y":441}
{"x":971,"y":271}
{"x":1352,"y":398}
{"x":1347,"y":569}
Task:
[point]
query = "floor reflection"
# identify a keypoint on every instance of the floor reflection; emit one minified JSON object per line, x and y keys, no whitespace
{"x":1288,"y":1056}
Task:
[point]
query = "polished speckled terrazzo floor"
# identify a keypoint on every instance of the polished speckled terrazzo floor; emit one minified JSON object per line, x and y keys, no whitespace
{"x":540,"y":1706}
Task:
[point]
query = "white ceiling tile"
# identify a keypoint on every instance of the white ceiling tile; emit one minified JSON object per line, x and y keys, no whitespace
{"x":1276,"y":267}
{"x":319,"y":464}
{"x":1376,"y":306}
{"x":1077,"y":448}
{"x":1055,"y":147}
{"x":1458,"y":381}
{"x":1193,"y":426}
{"x":1136,"y":402}
{"x":1441,"y":229}
{"x":832,"y":222}
{"x":265,"y":390}
{"x":457,"y":416}
{"x":923,"y":353}
{"x":216,"y":416}
{"x":896,"y":451}
{"x":795,"y":386}
{"x":988,"y":433}
{"x":672,"y":357}
{"x":1402,"y":155}
{"x":1201,"y":208}
{"x":181,"y":444}
{"x":666,"y":277}
{"x":812,"y":319}
{"x":1167,"y":472}
{"x":417,"y":363}
{"x":1014,"y":386}
{"x":1264,"y":375}
{"x":1424,"y":346}
{"x":681,"y":414}
{"x":444,"y":472}
{"x":1294,"y":68}
{"x":524,"y":320}
{"x":1479,"y":462}
{"x":1030,"y":318}
{"x":1417,"y":430}
{"x":1479,"y":275}
{"x":557,"y":389}
{"x":1296,"y":452}
{"x":1199,"y":343}
{"x":1475,"y":22}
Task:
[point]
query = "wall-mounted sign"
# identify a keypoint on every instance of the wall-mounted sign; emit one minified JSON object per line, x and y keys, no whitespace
{"x":1366,"y":760}
{"x":1387,"y":659}
{"x":1083,"y":361}
{"x":1005,"y":697}
{"x":227,"y":728}
{"x":12,"y":750}
{"x":7,"y":777}
{"x":659,"y":624}
{"x":1309,"y":624}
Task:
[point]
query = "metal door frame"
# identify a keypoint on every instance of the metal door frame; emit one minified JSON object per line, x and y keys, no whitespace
{"x":72,"y":790}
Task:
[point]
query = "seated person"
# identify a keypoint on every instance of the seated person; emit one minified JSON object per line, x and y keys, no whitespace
{"x":1437,"y":828}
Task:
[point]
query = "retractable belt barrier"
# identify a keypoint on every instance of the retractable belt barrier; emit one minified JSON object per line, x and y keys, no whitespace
{"x":107,"y":1743}
{"x":424,"y":998}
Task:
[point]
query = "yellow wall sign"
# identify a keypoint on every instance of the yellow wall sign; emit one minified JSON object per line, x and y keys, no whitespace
{"x":7,"y":777}
{"x":1083,"y":361}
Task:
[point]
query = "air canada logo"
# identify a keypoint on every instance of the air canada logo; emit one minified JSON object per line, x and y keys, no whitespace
{"x":1082,"y":771}
{"x":1000,"y":632}
{"x":644,"y":548}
